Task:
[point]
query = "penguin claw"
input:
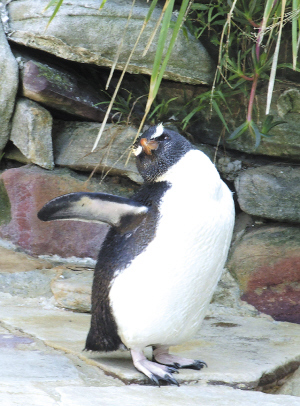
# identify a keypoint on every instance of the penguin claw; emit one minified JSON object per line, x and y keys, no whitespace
{"x":172,"y":370}
{"x":154,"y":380}
{"x":169,"y":378}
{"x":197,"y":364}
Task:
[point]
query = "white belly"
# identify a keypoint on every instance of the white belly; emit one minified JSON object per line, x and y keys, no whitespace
{"x":161,"y":298}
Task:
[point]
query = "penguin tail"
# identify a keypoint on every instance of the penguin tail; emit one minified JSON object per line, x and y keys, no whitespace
{"x":98,"y":342}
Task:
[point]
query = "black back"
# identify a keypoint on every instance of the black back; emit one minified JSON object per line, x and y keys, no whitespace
{"x":117,"y":252}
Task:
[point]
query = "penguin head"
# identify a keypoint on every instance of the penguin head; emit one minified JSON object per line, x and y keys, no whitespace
{"x":157,"y":149}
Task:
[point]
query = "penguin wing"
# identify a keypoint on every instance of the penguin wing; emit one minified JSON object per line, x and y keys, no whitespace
{"x":94,"y":207}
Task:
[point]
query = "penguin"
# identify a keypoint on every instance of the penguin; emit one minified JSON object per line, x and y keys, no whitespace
{"x":163,"y":254}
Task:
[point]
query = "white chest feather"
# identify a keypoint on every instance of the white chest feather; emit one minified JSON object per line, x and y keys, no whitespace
{"x":161,"y":298}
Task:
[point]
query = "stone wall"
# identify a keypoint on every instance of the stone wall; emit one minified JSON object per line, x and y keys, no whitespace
{"x":52,"y":99}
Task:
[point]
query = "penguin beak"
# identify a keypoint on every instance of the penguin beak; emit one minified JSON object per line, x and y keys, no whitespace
{"x":148,"y":145}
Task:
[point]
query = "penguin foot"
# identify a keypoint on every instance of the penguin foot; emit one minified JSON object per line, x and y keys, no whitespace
{"x":161,"y":355}
{"x":154,"y":371}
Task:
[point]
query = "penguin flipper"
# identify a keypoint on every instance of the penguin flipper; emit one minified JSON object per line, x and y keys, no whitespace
{"x":93,"y":207}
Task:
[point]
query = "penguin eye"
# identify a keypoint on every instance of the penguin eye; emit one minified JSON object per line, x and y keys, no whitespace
{"x":162,"y":137}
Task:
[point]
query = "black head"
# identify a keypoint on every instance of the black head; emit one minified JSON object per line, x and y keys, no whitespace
{"x":157,"y":149}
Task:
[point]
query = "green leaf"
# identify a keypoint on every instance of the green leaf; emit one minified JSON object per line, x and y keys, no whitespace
{"x":269,"y":124}
{"x":198,"y":6}
{"x":218,"y":111}
{"x":257,"y":134}
{"x":238,"y":131}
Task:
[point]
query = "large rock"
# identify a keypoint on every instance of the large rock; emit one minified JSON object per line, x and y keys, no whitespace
{"x":266,"y":264}
{"x":28,"y":189}
{"x":8,"y":87}
{"x":73,"y":142}
{"x":62,"y":90}
{"x":81,"y":32}
{"x":270,"y":191}
{"x":31,"y":133}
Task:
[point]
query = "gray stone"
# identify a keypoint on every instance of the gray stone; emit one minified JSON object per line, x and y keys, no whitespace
{"x":229,"y":168}
{"x":25,"y":276}
{"x":13,"y":153}
{"x":74,"y":35}
{"x":31,"y":133}
{"x":135,"y":395}
{"x":243,"y":352}
{"x":63,"y":90}
{"x":73,"y":142}
{"x":8,"y":87}
{"x":291,"y":386}
{"x":270,"y":191}
{"x":72,"y":288}
{"x":27,"y":284}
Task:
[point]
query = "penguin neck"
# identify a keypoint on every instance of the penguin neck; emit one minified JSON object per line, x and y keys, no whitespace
{"x":193,"y":168}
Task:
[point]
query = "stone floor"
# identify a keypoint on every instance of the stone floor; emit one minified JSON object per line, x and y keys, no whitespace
{"x":43,"y":363}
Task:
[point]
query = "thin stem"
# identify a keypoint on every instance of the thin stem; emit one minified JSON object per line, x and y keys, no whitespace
{"x":252,"y":96}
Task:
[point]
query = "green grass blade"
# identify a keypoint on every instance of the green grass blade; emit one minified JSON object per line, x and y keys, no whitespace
{"x":161,"y":44}
{"x":58,"y":4}
{"x":176,"y":29}
{"x":295,"y":33}
{"x":50,"y":4}
{"x":102,"y":4}
{"x":266,"y":16}
{"x":218,"y":111}
{"x":149,"y":14}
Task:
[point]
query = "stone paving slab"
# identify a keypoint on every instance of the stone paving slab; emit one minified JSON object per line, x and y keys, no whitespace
{"x":24,"y":395}
{"x":135,"y":395}
{"x":12,"y":262}
{"x":242,"y":352}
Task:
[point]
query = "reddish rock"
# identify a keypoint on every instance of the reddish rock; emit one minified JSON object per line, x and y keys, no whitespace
{"x":28,"y":189}
{"x":266,"y":263}
{"x":62,"y":90}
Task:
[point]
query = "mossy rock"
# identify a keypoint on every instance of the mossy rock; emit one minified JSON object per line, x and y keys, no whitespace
{"x":5,"y":212}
